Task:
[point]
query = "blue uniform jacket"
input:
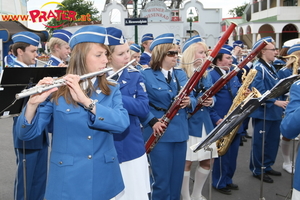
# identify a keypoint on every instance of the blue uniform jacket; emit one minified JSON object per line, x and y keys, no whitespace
{"x":145,"y":59}
{"x":130,"y":144}
{"x":37,"y":142}
{"x":54,"y":62}
{"x":19,"y":64}
{"x":290,"y":125}
{"x":224,"y":98}
{"x":235,"y":61}
{"x":83,"y":160}
{"x":285,"y":72}
{"x":201,"y":117}
{"x":161,"y":94}
{"x":9,"y":60}
{"x":264,"y":80}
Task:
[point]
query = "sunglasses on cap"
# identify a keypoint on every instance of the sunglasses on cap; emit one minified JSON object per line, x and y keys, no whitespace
{"x":172,"y":53}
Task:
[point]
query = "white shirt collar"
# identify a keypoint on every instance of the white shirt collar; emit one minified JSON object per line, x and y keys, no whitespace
{"x":56,"y":58}
{"x":20,"y":63}
{"x":165,"y":72}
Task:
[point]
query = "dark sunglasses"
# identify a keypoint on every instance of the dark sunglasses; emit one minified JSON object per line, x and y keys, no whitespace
{"x":172,"y":53}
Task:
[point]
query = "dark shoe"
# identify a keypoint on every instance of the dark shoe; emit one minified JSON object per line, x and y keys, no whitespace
{"x":232,"y":186}
{"x":241,"y":143}
{"x":266,"y":178}
{"x":244,"y":139}
{"x":224,"y":190}
{"x":247,"y":135}
{"x":273,"y":173}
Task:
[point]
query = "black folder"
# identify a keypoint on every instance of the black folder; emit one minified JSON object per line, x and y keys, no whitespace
{"x":14,"y":80}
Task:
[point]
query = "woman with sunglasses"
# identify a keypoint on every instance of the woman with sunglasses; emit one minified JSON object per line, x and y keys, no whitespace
{"x":200,"y":124}
{"x":163,"y":82}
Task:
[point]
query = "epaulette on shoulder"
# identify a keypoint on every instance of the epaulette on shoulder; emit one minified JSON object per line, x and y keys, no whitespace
{"x":297,"y":82}
{"x":112,"y":81}
{"x":144,"y":69}
{"x":178,"y":68}
{"x":133,"y":70}
{"x":283,"y":69}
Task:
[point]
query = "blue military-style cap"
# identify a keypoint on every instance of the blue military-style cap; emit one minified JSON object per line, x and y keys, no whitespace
{"x":147,"y":36}
{"x":190,"y":41}
{"x":92,"y":33}
{"x":267,"y":39}
{"x":177,"y":41}
{"x":295,"y":47}
{"x":238,"y":43}
{"x":289,"y":43}
{"x":115,"y":36}
{"x":62,"y":34}
{"x":226,"y":49}
{"x":167,"y":38}
{"x":135,"y":47}
{"x":26,"y":37}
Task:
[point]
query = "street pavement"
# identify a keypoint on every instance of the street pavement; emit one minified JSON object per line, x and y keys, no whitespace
{"x":249,"y":187}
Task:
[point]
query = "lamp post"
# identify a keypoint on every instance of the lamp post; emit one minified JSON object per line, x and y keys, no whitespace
{"x":135,"y":27}
{"x":191,"y":15}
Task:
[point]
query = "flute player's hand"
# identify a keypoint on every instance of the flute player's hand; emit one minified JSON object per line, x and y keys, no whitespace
{"x":38,"y":98}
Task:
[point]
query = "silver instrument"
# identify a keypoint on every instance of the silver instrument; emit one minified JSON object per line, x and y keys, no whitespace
{"x":59,"y":82}
{"x":56,"y":83}
{"x":121,"y":69}
{"x":48,"y":64}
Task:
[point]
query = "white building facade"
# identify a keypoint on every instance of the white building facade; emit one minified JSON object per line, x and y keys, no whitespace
{"x":279,"y":19}
{"x":163,"y":20}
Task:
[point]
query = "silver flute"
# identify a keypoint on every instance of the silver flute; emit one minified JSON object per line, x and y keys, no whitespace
{"x":121,"y":69}
{"x":48,"y":64}
{"x":57,"y":83}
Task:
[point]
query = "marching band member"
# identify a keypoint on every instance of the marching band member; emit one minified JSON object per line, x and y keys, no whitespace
{"x":224,"y":166}
{"x":200,"y":123}
{"x":86,"y":114}
{"x":59,"y":48}
{"x":238,"y":46}
{"x":287,"y":70}
{"x":163,"y":82}
{"x":146,"y":55}
{"x":130,"y":144}
{"x":290,"y":129}
{"x":268,"y":121}
{"x":135,"y":53}
{"x":36,"y":150}
{"x":284,"y":72}
{"x":237,"y":55}
{"x":10,"y":58}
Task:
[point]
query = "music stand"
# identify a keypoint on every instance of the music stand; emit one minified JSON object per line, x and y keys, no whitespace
{"x":243,"y":110}
{"x":14,"y":80}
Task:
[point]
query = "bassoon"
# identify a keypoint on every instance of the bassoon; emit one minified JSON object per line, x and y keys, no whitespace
{"x":226,"y":78}
{"x":186,"y":90}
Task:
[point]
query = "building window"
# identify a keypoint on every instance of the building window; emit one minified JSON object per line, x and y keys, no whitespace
{"x":290,"y":2}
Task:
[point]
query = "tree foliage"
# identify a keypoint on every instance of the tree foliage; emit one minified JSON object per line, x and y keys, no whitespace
{"x":238,"y":11}
{"x":84,"y":9}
